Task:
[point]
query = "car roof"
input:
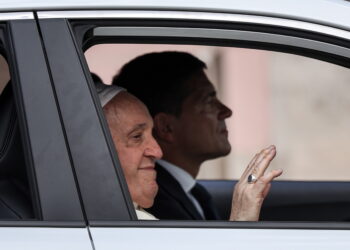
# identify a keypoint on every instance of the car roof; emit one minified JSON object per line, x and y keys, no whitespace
{"x":328,"y":12}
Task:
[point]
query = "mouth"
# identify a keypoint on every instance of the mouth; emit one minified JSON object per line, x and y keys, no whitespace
{"x":149,"y":172}
{"x":148,"y":168}
{"x":222,"y":128}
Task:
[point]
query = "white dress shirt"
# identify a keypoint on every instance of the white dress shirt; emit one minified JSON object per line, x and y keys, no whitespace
{"x":142,"y":214}
{"x":186,"y":181}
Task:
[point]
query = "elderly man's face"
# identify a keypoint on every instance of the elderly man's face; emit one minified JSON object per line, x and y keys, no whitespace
{"x":131,"y":128}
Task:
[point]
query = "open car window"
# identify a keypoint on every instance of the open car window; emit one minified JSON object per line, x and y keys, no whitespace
{"x":254,"y":56}
{"x":295,"y":102}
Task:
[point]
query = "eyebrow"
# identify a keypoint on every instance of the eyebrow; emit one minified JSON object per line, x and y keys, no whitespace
{"x":211,"y":94}
{"x":140,"y":126}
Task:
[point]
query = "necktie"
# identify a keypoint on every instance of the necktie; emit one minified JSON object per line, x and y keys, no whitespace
{"x":205,"y":200}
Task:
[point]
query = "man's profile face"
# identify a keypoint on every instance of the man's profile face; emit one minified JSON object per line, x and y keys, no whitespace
{"x":201,"y":128}
{"x":131,"y":128}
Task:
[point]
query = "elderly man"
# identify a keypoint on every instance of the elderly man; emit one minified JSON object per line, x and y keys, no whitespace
{"x":189,"y":127}
{"x":131,"y":128}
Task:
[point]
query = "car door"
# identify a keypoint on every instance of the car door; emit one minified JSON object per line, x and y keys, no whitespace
{"x":40,"y":205}
{"x":107,"y":203}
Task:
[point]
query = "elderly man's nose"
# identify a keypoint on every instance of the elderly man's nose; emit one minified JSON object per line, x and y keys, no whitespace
{"x":153,"y":150}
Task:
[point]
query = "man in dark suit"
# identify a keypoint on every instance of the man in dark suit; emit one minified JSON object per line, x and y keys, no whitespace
{"x":189,"y":126}
{"x":172,"y":202}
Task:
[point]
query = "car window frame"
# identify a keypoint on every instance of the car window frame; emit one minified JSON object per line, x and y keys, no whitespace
{"x":83,"y":21}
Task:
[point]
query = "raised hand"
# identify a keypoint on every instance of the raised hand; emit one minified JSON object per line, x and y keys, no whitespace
{"x":254,"y":185}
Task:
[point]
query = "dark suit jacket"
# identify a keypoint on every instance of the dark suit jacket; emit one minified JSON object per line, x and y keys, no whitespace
{"x":171,"y":202}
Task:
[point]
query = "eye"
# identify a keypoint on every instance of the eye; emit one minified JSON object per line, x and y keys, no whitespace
{"x":209,"y":99}
{"x":137,"y":137}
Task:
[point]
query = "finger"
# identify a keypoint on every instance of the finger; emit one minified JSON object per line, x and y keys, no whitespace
{"x":263,"y":181}
{"x":248,"y":169}
{"x":264,"y":161}
{"x":253,"y":163}
{"x":271,"y":175}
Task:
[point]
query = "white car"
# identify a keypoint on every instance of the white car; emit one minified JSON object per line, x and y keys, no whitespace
{"x":61,"y":186}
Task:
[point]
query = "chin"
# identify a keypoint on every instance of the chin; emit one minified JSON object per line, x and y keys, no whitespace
{"x":148,"y":204}
{"x":227,"y":150}
{"x":223,"y":150}
{"x":148,"y":195}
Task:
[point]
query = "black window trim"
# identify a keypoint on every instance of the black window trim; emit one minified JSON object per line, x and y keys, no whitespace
{"x":101,"y":183}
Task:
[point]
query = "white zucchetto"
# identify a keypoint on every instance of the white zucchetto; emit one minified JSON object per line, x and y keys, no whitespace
{"x":107,"y":92}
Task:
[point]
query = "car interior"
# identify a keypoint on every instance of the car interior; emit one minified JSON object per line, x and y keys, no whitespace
{"x":15,"y":201}
{"x":291,"y":200}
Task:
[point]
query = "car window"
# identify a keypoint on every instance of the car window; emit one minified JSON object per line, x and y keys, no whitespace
{"x":266,"y":77}
{"x":297,"y":103}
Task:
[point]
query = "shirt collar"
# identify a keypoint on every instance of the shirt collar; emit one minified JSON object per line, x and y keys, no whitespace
{"x":186,"y":181}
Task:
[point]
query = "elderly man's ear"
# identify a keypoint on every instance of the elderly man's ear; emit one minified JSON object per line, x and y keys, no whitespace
{"x":164,"y":125}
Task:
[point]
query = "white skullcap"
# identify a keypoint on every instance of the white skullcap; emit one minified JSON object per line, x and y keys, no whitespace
{"x":107,"y":92}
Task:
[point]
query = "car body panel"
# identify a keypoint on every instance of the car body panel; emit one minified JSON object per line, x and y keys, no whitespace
{"x":35,"y":238}
{"x":208,"y":238}
{"x":16,"y":16}
{"x":318,"y":11}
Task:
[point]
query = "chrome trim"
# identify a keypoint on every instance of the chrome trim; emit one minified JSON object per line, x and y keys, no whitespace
{"x":16,"y":16}
{"x":198,"y":16}
{"x":222,"y":34}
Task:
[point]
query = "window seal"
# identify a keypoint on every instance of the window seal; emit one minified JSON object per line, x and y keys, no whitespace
{"x":198,"y":16}
{"x":223,"y":224}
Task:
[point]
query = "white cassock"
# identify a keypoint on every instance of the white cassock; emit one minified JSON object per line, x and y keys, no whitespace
{"x":142,"y":214}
